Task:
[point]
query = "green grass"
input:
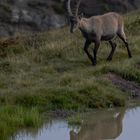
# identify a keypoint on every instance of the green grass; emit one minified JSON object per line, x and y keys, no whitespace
{"x":50,"y":71}
{"x":75,"y":120}
{"x":15,"y":117}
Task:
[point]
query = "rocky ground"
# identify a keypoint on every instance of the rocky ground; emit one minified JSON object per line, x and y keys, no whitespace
{"x":30,"y":15}
{"x":41,"y":15}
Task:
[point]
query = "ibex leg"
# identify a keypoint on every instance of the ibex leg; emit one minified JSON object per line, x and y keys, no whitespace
{"x":123,"y":38}
{"x":97,"y":44}
{"x":86,"y":46}
{"x":113,"y":48}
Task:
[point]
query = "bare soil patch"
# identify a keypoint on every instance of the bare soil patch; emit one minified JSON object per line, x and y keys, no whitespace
{"x":60,"y":113}
{"x":127,"y":86}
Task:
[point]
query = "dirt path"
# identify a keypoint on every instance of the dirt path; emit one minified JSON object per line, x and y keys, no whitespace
{"x":125,"y":85}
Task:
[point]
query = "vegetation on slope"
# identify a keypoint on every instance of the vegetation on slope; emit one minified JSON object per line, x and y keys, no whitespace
{"x":50,"y":71}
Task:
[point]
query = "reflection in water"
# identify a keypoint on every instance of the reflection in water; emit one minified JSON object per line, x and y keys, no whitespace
{"x":55,"y":130}
{"x":116,"y":124}
{"x":131,"y":125}
{"x":104,"y":126}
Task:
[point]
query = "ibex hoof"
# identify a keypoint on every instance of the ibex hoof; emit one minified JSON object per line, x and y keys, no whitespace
{"x":109,"y":59}
{"x":94,"y":63}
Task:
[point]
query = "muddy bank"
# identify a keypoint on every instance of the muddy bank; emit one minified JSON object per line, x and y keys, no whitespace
{"x":127,"y":86}
{"x":60,"y":113}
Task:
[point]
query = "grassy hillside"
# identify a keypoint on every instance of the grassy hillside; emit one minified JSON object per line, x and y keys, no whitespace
{"x":50,"y":71}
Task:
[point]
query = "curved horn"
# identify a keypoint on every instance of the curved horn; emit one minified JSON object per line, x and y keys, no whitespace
{"x":69,"y":7}
{"x":77,"y":8}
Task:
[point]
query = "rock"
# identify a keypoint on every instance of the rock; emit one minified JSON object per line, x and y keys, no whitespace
{"x":41,"y":15}
{"x":30,"y":16}
{"x":15,"y":15}
{"x":55,"y":21}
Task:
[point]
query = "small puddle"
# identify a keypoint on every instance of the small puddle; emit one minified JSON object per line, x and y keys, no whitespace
{"x":117,"y":124}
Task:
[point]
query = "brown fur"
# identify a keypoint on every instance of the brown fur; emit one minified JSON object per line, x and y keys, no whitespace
{"x":99,"y":28}
{"x":104,"y":27}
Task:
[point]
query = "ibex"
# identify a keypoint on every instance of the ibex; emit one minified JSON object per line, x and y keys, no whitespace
{"x":98,"y":28}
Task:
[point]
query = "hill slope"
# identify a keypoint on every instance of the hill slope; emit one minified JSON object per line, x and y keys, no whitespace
{"x":41,"y":15}
{"x":50,"y":71}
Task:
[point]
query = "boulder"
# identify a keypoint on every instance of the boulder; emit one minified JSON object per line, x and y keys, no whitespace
{"x":42,"y":15}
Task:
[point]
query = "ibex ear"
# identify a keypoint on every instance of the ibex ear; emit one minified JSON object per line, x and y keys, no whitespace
{"x":81,"y":15}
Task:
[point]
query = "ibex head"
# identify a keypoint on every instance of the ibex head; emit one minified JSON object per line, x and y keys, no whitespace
{"x":74,"y":18}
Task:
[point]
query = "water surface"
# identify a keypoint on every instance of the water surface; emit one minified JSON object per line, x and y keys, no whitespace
{"x":117,"y":124}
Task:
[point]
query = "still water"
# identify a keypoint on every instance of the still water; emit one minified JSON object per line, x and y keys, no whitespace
{"x":115,"y":124}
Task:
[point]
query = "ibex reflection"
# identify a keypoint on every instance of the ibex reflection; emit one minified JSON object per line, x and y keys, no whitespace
{"x":98,"y":28}
{"x":102,"y":126}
